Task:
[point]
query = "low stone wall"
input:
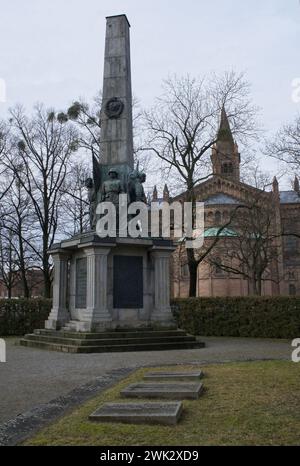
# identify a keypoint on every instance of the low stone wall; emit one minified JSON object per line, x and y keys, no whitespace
{"x":265,"y":317}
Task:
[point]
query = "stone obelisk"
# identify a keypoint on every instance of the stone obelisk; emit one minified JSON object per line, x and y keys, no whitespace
{"x":116,"y":114}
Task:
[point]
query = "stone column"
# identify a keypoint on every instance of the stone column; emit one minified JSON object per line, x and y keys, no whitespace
{"x":59,"y":314}
{"x":96,"y":310}
{"x":162,"y":314}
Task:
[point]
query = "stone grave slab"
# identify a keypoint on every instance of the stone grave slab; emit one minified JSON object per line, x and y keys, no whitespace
{"x":167,"y":413}
{"x":175,"y":375}
{"x":165,"y":390}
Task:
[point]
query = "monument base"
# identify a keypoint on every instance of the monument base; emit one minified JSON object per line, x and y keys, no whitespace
{"x":111,"y":296}
{"x":106,"y":284}
{"x":110,"y":341}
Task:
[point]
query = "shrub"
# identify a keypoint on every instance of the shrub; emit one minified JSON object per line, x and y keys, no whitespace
{"x":20,"y":316}
{"x":267,"y":317}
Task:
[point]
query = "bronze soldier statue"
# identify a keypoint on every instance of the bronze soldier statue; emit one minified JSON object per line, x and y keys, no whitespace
{"x":112,"y":188}
{"x":135,"y":187}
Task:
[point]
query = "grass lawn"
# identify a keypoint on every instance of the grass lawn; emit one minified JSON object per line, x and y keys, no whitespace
{"x":249,"y":403}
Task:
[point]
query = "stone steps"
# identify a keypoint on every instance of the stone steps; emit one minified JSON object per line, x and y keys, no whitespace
{"x":116,"y":334}
{"x":111,"y":348}
{"x":109,"y":341}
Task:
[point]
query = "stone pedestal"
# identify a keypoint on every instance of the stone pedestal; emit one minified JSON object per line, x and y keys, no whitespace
{"x":109,"y":284}
{"x":59,"y":314}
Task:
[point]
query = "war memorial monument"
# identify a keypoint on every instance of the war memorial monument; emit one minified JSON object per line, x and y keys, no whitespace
{"x":112,"y":293}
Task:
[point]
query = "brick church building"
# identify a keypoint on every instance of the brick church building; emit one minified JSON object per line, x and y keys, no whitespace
{"x":221,"y":194}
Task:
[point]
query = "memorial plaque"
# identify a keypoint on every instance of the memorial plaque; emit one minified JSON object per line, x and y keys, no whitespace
{"x":81,"y":283}
{"x":128,"y":282}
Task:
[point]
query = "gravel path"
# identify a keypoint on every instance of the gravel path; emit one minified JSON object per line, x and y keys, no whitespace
{"x":32,"y":377}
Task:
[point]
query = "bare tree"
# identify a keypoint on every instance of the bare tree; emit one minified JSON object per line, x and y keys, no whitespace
{"x":286,"y":145}
{"x":251,"y":250}
{"x":182,"y":128}
{"x":253,"y":175}
{"x":44,"y":144}
{"x":8,"y":260}
{"x":76,"y":205}
{"x":17,"y":222}
{"x":200,"y":255}
{"x":5,"y":148}
{"x":87,"y":118}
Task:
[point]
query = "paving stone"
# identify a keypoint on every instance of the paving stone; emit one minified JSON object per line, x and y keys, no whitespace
{"x":171,"y":391}
{"x":170,"y":376}
{"x":139,"y":413}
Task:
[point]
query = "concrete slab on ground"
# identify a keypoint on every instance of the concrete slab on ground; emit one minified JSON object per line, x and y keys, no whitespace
{"x":170,"y":391}
{"x":173,"y":376}
{"x":167,"y":413}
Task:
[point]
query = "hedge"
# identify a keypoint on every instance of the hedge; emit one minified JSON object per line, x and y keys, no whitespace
{"x":265,"y":317}
{"x":20,"y":316}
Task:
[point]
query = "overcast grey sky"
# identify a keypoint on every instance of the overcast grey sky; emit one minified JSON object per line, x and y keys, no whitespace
{"x":52,"y":50}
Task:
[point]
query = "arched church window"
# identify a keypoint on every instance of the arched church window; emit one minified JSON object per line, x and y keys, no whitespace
{"x":218,"y":217}
{"x":292,"y":290}
{"x":224,"y":168}
{"x":226,"y":215}
{"x":209,"y":217}
{"x":227,"y":168}
{"x":185,"y":271}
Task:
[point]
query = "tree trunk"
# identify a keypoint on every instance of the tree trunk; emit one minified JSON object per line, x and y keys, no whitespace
{"x":47,"y":277}
{"x":252,"y":288}
{"x":255,"y":287}
{"x":192,"y":262}
{"x":25,"y":286}
{"x":47,"y":284}
{"x":193,"y":268}
{"x":26,"y":291}
{"x":258,"y":286}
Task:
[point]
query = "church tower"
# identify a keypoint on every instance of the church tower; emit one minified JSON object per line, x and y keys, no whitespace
{"x":225,"y":153}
